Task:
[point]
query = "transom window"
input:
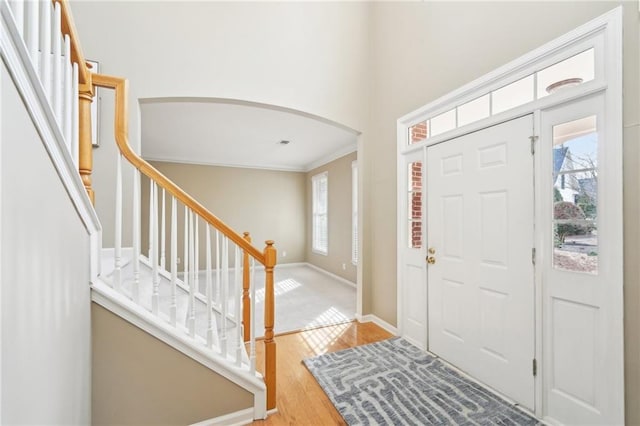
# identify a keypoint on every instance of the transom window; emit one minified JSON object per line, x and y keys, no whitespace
{"x":572,"y":71}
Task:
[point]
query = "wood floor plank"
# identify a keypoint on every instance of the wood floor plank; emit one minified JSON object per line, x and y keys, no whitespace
{"x":300,"y":400}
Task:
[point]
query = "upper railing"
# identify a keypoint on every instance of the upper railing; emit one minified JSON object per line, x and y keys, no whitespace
{"x":220,"y":309}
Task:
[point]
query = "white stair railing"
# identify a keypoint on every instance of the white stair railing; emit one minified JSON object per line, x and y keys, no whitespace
{"x":39,"y":22}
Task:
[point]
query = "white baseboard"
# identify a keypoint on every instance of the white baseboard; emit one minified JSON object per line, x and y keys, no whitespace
{"x":379,"y":322}
{"x":242,"y":417}
{"x":334,"y":276}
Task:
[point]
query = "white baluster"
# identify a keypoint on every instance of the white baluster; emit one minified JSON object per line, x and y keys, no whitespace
{"x":218,"y":282}
{"x":173,"y":308}
{"x":192,"y":289}
{"x":57,"y":63}
{"x":185,"y":260}
{"x":17,"y":7}
{"x":209,"y":289}
{"x":237,"y":288}
{"x":196,"y":256}
{"x":162,"y":232}
{"x":68,"y":95}
{"x":46,"y":8}
{"x":151,"y":225}
{"x":31,"y":27}
{"x":223,"y":295}
{"x":155,"y":297}
{"x":117,"y":249}
{"x":75,"y":119}
{"x":252,"y":318}
{"x":135,"y":287}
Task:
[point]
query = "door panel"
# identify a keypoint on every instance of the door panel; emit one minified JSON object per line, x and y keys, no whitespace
{"x":480,"y":224}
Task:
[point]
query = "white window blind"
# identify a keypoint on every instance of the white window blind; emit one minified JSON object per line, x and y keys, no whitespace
{"x":320,"y":228}
{"x":354,"y":213}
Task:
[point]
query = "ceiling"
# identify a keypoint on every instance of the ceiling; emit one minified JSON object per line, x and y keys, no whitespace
{"x":239,"y":134}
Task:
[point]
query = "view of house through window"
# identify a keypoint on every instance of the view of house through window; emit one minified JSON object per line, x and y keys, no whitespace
{"x":320,"y":227}
{"x":575,"y":195}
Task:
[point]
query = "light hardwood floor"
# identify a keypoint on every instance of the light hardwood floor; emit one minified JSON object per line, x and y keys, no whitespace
{"x":300,"y":400}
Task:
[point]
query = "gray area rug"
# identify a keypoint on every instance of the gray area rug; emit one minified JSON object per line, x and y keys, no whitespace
{"x":393,"y":382}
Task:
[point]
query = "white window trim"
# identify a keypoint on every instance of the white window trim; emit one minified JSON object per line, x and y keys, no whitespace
{"x":314,"y":179}
{"x":355,"y":254}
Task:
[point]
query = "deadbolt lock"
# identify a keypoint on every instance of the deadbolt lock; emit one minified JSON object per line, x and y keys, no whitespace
{"x":431,"y":260}
{"x":432,"y":250}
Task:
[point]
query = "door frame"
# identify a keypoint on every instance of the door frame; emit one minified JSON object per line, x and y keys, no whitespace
{"x":604,"y":35}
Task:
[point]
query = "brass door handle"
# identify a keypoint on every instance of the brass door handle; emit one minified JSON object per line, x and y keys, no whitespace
{"x":431,"y":260}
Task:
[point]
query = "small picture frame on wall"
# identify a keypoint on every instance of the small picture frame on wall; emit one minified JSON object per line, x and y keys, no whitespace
{"x":95,"y":108}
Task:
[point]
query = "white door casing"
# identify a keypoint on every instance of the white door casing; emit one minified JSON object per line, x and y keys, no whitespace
{"x":480,"y":226}
{"x":578,"y":321}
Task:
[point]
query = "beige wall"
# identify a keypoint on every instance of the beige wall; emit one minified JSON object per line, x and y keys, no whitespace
{"x":421,"y":51}
{"x":267,"y":203}
{"x":138,"y":380}
{"x":339,"y":252}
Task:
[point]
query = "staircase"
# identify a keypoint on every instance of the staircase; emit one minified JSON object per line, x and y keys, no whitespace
{"x":192,"y":286}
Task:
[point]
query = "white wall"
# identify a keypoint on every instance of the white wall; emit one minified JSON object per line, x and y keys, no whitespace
{"x":44,"y":272}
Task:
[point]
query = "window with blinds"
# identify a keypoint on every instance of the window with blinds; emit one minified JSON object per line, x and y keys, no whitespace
{"x":354,"y":213}
{"x":320,"y":226}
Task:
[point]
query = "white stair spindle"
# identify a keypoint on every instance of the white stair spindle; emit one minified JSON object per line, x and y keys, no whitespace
{"x":223,"y":296}
{"x":17,"y":7}
{"x":135,"y":286}
{"x":46,"y":9}
{"x":185,"y":260}
{"x":31,"y":28}
{"x":173,"y":307}
{"x":75,"y":119}
{"x":218,"y":282}
{"x":57,"y":63}
{"x":196,"y":255}
{"x":237,"y":288}
{"x":209,"y":289}
{"x":252,"y":318}
{"x":150,"y":252}
{"x":155,"y":297}
{"x":117,"y":249}
{"x":192,"y":289}
{"x":163,"y":224}
{"x":68,"y":119}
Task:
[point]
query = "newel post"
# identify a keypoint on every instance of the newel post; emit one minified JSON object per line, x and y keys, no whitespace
{"x":270,"y":254}
{"x":85,"y":150}
{"x":246,"y":302}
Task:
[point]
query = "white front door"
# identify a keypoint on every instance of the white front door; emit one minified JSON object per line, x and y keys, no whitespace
{"x":412,"y":250}
{"x":480,"y":235}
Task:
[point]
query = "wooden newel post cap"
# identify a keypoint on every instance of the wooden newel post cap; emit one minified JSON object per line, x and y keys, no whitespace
{"x":270,"y":253}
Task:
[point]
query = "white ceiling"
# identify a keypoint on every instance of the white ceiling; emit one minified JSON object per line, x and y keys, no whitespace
{"x":228,"y":133}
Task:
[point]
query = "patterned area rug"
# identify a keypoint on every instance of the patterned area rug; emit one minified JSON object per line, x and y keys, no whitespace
{"x":393,"y":382}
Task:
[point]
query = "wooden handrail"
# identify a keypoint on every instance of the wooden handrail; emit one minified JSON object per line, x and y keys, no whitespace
{"x":68,"y":27}
{"x":120,"y":85}
{"x":85,"y":97}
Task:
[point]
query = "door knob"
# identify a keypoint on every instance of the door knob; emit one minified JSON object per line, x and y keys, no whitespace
{"x":431,"y":260}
